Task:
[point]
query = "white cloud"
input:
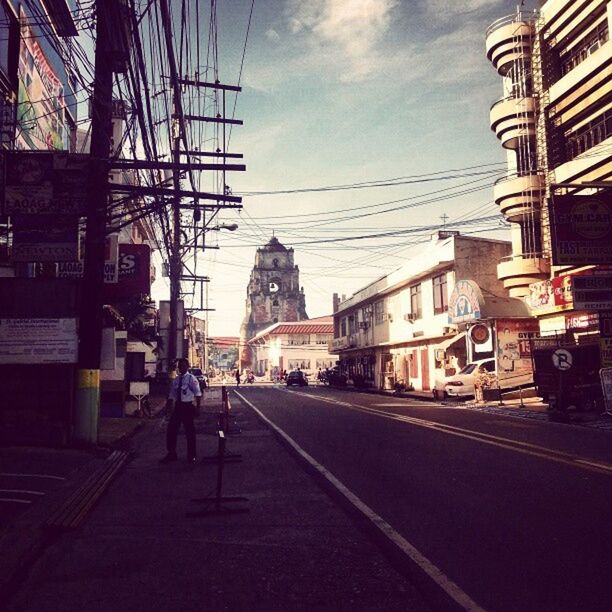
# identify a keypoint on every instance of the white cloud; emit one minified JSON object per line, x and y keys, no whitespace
{"x":272,"y":35}
{"x":445,"y":11}
{"x":347,"y":32}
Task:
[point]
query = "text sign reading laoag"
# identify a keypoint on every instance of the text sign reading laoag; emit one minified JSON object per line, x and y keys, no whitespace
{"x":32,"y":341}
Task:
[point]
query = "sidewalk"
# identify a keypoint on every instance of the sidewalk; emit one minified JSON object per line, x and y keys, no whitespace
{"x":138,"y":550}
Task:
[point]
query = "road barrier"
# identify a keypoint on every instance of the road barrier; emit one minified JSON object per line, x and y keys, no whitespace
{"x":215,"y":502}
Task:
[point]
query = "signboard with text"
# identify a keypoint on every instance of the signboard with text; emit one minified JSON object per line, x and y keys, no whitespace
{"x":75,"y":269}
{"x":581,"y":229}
{"x":45,"y":183}
{"x":36,"y":239}
{"x":36,"y":341}
{"x":514,"y":340}
{"x":134,"y":273}
{"x":592,"y":292}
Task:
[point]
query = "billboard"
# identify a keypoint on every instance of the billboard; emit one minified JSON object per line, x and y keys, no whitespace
{"x":76,"y":269}
{"x":41,"y":110}
{"x":513,"y":338}
{"x":581,"y":229}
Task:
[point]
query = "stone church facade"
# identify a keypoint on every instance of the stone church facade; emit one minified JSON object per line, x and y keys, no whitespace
{"x":274,"y":294}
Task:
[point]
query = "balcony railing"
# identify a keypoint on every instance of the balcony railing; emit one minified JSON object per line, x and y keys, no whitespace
{"x":588,"y":138}
{"x":518,"y":17}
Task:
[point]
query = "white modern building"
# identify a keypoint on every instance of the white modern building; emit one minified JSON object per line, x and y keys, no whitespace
{"x":397,"y":328}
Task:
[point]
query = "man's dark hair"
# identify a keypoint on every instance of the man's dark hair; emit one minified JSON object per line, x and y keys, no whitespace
{"x":183,"y":360}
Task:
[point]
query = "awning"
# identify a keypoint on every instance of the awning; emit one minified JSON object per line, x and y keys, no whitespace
{"x":449,"y":341}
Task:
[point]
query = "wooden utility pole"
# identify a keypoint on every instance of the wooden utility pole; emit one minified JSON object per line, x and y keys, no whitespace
{"x":87,"y":405}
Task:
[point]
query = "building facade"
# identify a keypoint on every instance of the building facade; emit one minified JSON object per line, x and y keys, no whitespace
{"x":274,"y":294}
{"x":397,"y":328}
{"x":555,"y":122}
{"x":295,"y":345}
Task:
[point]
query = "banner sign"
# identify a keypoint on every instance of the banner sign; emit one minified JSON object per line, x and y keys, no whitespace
{"x":134,"y":273}
{"x":592,"y":292}
{"x":36,"y":239}
{"x":35,"y":341}
{"x":45,"y":183}
{"x":581,"y":229}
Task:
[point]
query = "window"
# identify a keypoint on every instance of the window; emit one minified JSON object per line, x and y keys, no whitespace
{"x":351,"y":324}
{"x":274,"y":302}
{"x":299,"y":339}
{"x":379,"y":312}
{"x":589,"y":135}
{"x":302,"y":364}
{"x":325,"y":363}
{"x":322,"y":338}
{"x":440,"y":294}
{"x":416,"y":307}
{"x":275,"y":263}
{"x":587,"y":46}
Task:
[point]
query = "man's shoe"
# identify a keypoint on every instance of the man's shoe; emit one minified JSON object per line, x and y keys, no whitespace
{"x":192,"y":460}
{"x":168,"y":458}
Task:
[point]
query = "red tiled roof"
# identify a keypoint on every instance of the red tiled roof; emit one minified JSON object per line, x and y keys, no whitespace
{"x":302,"y":327}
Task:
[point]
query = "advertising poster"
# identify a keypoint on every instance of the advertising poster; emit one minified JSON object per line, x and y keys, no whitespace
{"x":35,"y":341}
{"x":41,"y":104}
{"x":35,"y":239}
{"x":514,"y":350}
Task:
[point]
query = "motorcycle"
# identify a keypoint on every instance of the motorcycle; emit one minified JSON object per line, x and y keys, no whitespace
{"x":250,"y":378}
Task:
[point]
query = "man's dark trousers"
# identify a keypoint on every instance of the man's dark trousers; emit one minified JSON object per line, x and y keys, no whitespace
{"x":184,"y":413}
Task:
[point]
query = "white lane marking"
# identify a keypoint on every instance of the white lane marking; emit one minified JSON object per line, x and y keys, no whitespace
{"x":436,"y":574}
{"x":51,"y":477}
{"x":24,"y":491}
{"x":15,"y":501}
{"x":506,"y":443}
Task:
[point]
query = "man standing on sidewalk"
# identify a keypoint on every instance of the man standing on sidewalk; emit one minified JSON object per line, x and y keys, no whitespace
{"x":183,"y":389}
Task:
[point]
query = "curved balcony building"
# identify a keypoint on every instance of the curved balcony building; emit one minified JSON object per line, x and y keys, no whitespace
{"x":513,"y":120}
{"x":509,"y":40}
{"x":517,"y":272}
{"x":519,"y":196}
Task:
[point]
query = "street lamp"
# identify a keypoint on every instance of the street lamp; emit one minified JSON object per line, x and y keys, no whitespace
{"x":232,"y":227}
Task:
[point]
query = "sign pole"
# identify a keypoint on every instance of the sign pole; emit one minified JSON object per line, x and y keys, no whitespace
{"x":87,"y":408}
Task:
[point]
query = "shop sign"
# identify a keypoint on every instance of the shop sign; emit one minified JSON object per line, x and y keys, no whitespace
{"x":134,"y":266}
{"x":582,"y":321}
{"x":35,"y":238}
{"x":75,"y":269}
{"x":605,"y":375}
{"x":37,"y":341}
{"x":465,"y":302}
{"x":514,"y":339}
{"x":592,"y":292}
{"x":605,"y":338}
{"x":45,"y":183}
{"x":581,"y":230}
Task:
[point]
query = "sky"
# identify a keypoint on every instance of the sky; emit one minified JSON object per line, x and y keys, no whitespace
{"x":341,"y":92}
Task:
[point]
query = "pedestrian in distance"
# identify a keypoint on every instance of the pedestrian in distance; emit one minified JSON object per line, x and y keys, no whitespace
{"x":183,"y":390}
{"x":237,"y":378}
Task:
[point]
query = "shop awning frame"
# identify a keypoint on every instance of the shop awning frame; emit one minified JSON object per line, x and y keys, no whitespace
{"x":450,"y":341}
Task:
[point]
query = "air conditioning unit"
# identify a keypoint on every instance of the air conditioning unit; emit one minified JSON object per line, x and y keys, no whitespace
{"x":390,"y":317}
{"x":363,"y":325}
{"x":446,"y":330}
{"x":410,"y":317}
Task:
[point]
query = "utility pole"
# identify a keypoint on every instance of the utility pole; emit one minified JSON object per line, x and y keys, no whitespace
{"x":87,"y":404}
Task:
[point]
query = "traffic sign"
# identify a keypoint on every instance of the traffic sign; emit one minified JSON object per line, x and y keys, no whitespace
{"x":562,"y":359}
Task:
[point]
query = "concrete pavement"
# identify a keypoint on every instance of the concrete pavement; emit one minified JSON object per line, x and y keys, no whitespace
{"x":138,"y":549}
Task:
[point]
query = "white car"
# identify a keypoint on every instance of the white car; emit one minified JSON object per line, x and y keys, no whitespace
{"x":462,"y":384}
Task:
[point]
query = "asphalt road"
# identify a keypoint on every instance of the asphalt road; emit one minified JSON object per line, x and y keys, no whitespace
{"x":515,"y":512}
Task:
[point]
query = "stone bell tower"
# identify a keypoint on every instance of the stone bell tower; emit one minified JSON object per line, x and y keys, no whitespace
{"x":274,"y":294}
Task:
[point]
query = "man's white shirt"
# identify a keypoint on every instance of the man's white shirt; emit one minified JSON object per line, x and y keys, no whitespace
{"x":189,"y":388}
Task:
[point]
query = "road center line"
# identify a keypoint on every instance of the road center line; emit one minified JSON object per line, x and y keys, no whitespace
{"x":24,"y":491}
{"x":506,"y":443}
{"x":436,"y":574}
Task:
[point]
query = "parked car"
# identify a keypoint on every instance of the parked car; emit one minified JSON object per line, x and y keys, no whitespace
{"x":462,"y":384}
{"x":297,"y":377}
{"x":197,"y":372}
